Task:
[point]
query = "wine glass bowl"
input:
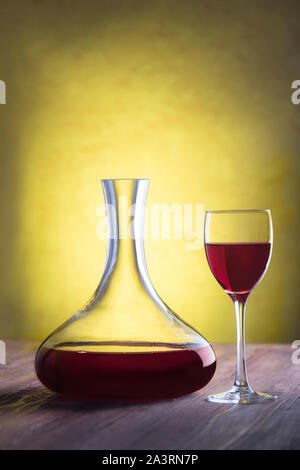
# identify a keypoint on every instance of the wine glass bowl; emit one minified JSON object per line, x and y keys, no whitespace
{"x":238,"y":247}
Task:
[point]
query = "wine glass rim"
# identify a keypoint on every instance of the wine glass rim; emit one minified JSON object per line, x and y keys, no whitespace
{"x":235,"y":211}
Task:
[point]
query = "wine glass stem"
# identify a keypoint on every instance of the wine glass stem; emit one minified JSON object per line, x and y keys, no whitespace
{"x":241,"y":380}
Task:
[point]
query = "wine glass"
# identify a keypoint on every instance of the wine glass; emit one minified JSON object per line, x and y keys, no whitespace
{"x":238,"y":246}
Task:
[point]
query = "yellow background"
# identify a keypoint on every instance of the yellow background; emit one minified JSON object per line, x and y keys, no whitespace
{"x":193,"y":95}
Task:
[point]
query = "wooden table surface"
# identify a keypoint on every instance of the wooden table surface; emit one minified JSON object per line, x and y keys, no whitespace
{"x":32,"y":417}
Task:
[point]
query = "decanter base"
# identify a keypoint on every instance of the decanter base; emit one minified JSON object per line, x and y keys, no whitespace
{"x":134,"y":376}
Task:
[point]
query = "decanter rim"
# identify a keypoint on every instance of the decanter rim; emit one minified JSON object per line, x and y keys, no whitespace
{"x":125,"y":179}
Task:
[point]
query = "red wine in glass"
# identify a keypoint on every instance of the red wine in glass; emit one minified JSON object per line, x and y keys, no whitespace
{"x":238,"y":267}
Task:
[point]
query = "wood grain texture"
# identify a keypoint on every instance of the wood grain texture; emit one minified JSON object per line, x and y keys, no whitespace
{"x":32,"y":417}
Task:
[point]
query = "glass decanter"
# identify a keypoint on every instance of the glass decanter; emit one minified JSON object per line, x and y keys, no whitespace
{"x":126,"y":344}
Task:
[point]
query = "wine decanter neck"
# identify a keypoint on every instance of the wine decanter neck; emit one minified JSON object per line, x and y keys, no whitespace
{"x":125,"y":213}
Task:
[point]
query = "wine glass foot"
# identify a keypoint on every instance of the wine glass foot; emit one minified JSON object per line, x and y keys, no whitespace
{"x":241,"y":395}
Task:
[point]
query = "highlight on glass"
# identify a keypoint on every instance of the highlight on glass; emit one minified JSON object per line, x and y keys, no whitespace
{"x":238,"y":246}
